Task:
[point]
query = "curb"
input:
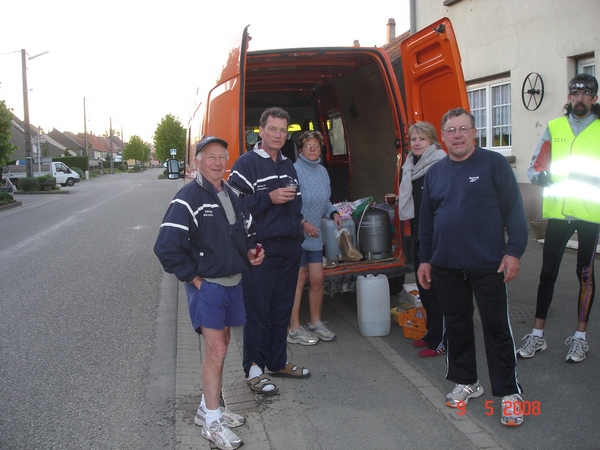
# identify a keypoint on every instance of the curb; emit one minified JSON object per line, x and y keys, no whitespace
{"x":10,"y":206}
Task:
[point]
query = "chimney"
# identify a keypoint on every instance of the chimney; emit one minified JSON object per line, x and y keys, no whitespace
{"x":391,"y":30}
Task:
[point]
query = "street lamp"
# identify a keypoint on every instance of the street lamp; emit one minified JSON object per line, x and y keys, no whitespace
{"x":29,"y":161}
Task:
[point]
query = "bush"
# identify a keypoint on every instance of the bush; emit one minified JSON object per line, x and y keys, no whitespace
{"x":79,"y":172}
{"x":29,"y":184}
{"x":6,"y":198}
{"x":47,"y":182}
{"x":123,"y":167}
{"x":136,"y":168}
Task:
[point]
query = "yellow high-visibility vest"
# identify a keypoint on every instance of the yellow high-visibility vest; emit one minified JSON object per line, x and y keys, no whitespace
{"x":575,"y":171}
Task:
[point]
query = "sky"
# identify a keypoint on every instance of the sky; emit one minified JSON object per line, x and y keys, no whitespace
{"x":136,"y":61}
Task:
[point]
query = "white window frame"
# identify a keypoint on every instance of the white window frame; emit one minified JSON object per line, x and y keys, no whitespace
{"x":488,"y":111}
{"x":587,"y":65}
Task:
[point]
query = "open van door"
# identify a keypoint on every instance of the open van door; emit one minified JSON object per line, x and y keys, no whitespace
{"x":433,"y":77}
{"x":225,"y":102}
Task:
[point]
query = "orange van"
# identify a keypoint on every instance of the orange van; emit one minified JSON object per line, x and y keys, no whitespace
{"x":352,"y":96}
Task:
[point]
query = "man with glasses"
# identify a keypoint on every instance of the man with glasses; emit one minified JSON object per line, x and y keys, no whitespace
{"x":566,"y":163}
{"x":269,"y":186}
{"x":470,"y":199}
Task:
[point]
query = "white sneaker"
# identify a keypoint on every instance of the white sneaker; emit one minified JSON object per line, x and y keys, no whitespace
{"x":578,"y":350}
{"x":512,"y":410}
{"x":321,"y":330}
{"x":222,"y":436}
{"x":302,"y":337}
{"x":462,"y":393}
{"x":532,"y":345}
{"x":232,"y":420}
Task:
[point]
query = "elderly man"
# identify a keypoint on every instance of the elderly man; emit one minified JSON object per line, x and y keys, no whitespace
{"x":470,"y":199}
{"x":206,"y":240}
{"x":566,"y":163}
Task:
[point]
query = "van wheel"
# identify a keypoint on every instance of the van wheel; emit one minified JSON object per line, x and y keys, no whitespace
{"x":63,"y":184}
{"x":70,"y":182}
{"x":396,"y":284}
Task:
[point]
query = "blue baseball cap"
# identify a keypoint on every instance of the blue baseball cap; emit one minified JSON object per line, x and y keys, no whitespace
{"x":208,"y":140}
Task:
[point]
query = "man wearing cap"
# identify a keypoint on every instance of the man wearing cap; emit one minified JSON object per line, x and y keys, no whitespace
{"x":207,"y":240}
{"x":268,"y":182}
{"x":566,"y":163}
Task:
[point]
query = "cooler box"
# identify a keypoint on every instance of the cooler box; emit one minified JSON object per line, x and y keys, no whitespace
{"x":413,"y":322}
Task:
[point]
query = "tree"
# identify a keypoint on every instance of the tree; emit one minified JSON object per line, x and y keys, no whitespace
{"x":7,"y":148}
{"x":136,"y":149}
{"x":169,"y":134}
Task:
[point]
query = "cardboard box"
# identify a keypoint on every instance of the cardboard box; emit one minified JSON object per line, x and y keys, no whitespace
{"x":410,"y":294}
{"x":413,"y":323}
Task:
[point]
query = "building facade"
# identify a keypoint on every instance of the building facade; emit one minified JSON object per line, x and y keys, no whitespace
{"x":517,"y":58}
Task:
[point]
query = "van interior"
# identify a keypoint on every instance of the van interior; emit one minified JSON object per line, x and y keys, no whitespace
{"x":344,"y":96}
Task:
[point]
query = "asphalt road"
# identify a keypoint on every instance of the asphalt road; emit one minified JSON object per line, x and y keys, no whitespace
{"x":87,"y":333}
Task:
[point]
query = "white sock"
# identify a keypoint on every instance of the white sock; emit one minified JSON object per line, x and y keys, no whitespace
{"x":580,"y":335}
{"x":203,"y":403}
{"x":538,"y":333}
{"x":254,"y":372}
{"x":212,"y":415}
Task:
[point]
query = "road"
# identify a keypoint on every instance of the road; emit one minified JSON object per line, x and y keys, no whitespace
{"x":87,"y":332}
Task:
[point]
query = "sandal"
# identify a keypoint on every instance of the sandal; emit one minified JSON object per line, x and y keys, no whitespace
{"x":291,"y":371}
{"x":258,"y":384}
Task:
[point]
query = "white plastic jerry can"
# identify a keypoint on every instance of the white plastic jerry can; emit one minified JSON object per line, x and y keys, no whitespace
{"x":373,"y":305}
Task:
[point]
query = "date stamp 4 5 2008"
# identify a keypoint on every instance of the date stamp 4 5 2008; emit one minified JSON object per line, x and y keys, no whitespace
{"x":528,"y":408}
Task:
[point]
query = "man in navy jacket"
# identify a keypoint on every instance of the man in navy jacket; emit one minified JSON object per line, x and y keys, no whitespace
{"x":268,"y":182}
{"x":207,"y":240}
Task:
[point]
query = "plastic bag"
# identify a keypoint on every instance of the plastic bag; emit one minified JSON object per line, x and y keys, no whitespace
{"x":349,"y":251}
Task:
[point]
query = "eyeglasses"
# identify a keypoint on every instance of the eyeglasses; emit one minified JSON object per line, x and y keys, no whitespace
{"x":462,"y":130}
{"x":577,"y":93}
{"x":315,"y":147}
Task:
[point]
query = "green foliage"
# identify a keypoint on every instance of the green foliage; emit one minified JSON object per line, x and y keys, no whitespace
{"x":169,"y":134}
{"x":136,"y":149}
{"x":7,"y":148}
{"x":47,"y":182}
{"x":29,"y":184}
{"x":6,"y":198}
{"x":123,"y":167}
{"x":79,"y":172}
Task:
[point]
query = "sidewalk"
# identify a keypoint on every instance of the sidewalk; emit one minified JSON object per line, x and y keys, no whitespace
{"x":377,"y":393}
{"x":362,"y":394}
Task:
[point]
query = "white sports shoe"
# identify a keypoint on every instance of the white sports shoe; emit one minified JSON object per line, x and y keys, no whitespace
{"x":578,"y":350}
{"x":223,"y":437}
{"x":321,"y":331}
{"x":462,"y":393}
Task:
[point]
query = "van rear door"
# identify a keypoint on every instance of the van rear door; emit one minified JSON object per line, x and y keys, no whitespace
{"x":433,"y":77}
{"x":225,"y":102}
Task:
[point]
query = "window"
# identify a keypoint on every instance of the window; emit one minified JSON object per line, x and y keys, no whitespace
{"x":586,"y":65}
{"x":491,"y":106}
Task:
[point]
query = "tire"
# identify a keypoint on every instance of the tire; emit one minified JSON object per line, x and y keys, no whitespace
{"x":396,"y":284}
{"x":63,"y":184}
{"x":70,"y":182}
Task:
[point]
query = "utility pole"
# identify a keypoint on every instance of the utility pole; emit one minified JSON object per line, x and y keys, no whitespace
{"x":111,"y":150}
{"x":28,"y":150}
{"x":29,"y":160}
{"x":87,"y":151}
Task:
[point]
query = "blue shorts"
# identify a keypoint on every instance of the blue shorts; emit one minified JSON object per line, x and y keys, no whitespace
{"x":311,"y":257}
{"x":215,"y":306}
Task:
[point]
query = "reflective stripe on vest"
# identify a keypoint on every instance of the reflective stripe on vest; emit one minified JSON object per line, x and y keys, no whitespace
{"x":575,"y":171}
